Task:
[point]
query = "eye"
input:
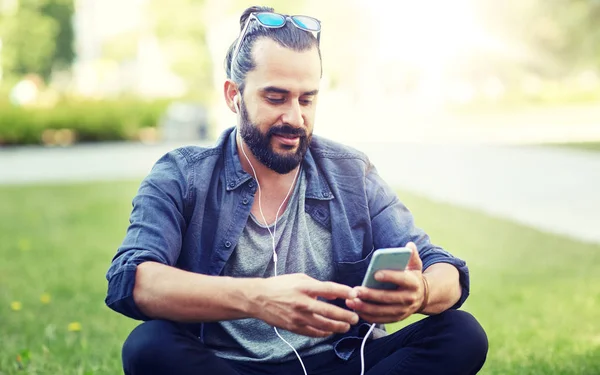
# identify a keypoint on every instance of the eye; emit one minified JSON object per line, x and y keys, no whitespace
{"x":275,"y":100}
{"x":306,"y":101}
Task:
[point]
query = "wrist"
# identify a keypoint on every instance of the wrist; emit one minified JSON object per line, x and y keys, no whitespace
{"x":250,"y":289}
{"x":425,"y":294}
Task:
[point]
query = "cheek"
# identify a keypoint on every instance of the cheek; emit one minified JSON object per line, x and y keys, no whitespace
{"x":309,"y":119}
{"x":265,"y":116}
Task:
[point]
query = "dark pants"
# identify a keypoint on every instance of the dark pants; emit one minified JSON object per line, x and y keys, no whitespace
{"x":449,"y":343}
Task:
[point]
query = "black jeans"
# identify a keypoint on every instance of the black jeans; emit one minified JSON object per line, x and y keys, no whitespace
{"x":449,"y":343}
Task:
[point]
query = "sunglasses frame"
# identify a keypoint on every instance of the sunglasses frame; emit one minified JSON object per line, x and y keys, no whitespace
{"x":285,"y":18}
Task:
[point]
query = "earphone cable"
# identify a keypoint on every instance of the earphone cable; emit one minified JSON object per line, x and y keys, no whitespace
{"x":272,"y":234}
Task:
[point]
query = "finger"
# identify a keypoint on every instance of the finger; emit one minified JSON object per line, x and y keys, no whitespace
{"x":310,"y":331}
{"x":329,"y":290}
{"x":333,"y":313}
{"x":403,"y":279}
{"x":414,"y":263}
{"x":391,"y":311}
{"x":388,"y":297}
{"x":321,"y":323}
{"x":300,"y":319}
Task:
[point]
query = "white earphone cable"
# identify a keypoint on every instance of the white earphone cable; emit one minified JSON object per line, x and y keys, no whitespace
{"x":362,"y":350}
{"x":272,"y":234}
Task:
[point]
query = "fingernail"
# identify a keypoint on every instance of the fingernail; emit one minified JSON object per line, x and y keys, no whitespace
{"x":353,"y":294}
{"x":355,"y":319}
{"x":378,"y":276}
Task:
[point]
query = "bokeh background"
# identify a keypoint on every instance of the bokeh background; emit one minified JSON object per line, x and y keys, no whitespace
{"x":483,"y":115}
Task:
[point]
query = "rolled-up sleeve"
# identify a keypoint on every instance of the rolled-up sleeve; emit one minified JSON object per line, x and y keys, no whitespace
{"x":157,"y":223}
{"x":393,"y":226}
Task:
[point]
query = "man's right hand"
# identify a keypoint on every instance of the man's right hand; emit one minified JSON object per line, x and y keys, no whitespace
{"x":290,"y":302}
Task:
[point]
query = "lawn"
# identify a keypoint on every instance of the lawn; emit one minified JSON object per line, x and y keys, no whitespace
{"x":536,"y":294}
{"x":589,"y":146}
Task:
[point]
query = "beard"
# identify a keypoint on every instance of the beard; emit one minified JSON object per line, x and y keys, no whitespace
{"x":260,"y":144}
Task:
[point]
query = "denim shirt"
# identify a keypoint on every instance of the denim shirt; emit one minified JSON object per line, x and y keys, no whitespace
{"x":190,"y":211}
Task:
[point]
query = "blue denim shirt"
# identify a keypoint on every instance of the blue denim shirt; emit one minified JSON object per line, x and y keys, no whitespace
{"x":190,"y":211}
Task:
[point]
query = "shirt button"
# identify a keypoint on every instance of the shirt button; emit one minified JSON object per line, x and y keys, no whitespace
{"x":251,"y":184}
{"x":231,"y":184}
{"x":245,"y":201}
{"x":227,"y":244}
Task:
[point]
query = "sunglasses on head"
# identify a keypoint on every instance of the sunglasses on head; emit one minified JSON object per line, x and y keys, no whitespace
{"x":274,"y":21}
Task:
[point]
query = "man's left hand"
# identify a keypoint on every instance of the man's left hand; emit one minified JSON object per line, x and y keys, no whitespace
{"x":389,"y":306}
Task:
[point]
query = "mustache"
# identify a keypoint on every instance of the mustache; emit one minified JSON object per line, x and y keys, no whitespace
{"x":286,"y":129}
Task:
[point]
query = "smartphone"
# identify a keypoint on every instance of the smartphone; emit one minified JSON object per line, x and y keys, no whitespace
{"x":386,"y":259}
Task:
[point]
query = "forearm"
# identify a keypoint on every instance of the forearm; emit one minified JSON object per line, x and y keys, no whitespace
{"x":444,"y":288}
{"x":165,"y":292}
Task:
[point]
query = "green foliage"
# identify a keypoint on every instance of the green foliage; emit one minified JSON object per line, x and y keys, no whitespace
{"x":182,"y":37}
{"x":560,"y":36}
{"x":122,"y":47}
{"x":61,"y":11}
{"x":37,"y":37}
{"x":28,"y":42}
{"x":89,"y":120}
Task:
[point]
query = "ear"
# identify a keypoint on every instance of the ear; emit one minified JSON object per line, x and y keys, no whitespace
{"x":231,"y":92}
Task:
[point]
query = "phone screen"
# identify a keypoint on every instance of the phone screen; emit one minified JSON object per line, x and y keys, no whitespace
{"x":386,"y":259}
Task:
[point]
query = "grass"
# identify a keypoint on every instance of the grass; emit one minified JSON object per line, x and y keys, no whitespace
{"x":536,"y":294}
{"x":588,"y":146}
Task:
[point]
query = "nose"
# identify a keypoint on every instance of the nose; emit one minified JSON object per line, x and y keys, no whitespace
{"x":293,"y":114}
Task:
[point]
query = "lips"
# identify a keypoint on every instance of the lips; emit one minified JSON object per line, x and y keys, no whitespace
{"x":287,"y":139}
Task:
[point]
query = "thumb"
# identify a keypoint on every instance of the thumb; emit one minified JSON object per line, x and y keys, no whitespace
{"x":414,"y":263}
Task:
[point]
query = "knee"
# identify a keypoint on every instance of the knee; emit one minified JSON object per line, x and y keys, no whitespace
{"x":146,"y":344}
{"x":467,"y":334}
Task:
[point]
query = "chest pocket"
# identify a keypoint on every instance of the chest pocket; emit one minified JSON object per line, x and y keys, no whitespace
{"x":351,"y":273}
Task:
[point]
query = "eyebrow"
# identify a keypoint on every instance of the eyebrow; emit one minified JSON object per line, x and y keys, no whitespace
{"x":278,"y":90}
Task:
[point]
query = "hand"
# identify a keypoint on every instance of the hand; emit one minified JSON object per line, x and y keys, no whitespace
{"x":389,"y":306}
{"x":290,"y":302}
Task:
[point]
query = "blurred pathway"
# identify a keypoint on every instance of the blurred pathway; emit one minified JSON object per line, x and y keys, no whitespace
{"x":552,"y":189}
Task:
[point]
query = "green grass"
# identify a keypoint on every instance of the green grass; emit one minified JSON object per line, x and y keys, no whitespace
{"x":588,"y":146}
{"x":536,"y":294}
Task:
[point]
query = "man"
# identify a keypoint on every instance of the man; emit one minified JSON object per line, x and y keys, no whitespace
{"x":273,"y":228}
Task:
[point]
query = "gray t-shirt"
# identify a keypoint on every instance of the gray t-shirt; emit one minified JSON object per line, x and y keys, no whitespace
{"x":303,"y":246}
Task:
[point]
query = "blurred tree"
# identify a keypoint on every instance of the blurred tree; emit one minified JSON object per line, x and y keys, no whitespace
{"x":37,"y":36}
{"x":62,"y":12}
{"x":181,"y":30}
{"x":182,"y":37}
{"x":28,"y":40}
{"x":561,"y":36}
{"x":122,"y":47}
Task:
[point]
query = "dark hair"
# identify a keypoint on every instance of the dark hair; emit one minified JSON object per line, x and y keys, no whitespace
{"x":288,"y":36}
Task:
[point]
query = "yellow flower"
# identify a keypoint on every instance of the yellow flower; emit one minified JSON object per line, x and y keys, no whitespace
{"x":16,"y":305}
{"x":74,"y":327}
{"x":45,"y":298}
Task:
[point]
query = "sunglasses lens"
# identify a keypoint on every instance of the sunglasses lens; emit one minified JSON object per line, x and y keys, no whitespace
{"x":271,"y":19}
{"x":307,"y":23}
